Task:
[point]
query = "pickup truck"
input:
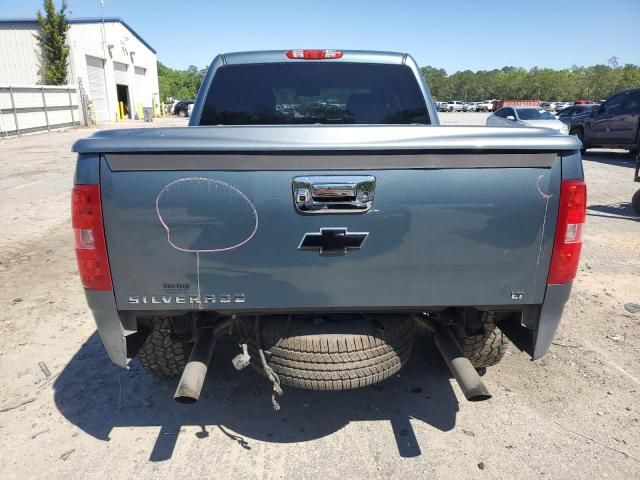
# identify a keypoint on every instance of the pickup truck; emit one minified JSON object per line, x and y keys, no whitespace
{"x":325,"y":240}
{"x":455,"y":106}
{"x":614,"y":124}
{"x":486,"y":106}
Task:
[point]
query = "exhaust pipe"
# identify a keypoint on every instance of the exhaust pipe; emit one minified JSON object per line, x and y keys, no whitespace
{"x":192,"y":378}
{"x":470,"y":382}
{"x":465,"y":374}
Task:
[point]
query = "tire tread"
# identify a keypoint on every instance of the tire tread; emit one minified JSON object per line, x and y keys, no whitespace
{"x":487,"y":349}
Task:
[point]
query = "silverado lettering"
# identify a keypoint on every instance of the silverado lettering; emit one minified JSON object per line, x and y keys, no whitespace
{"x":184,"y":299}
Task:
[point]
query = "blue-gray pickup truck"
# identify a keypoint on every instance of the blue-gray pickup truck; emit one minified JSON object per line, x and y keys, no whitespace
{"x":317,"y":211}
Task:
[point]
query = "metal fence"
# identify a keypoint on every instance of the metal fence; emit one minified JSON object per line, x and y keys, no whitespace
{"x":36,"y":108}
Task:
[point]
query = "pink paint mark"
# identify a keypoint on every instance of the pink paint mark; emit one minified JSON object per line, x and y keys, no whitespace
{"x":214,"y":184}
{"x":546,"y":197}
{"x":198,"y":275}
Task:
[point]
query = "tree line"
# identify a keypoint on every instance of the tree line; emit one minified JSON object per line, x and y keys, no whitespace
{"x":179,"y":84}
{"x":589,"y":83}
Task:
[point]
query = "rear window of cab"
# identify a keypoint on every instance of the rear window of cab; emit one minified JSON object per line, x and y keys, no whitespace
{"x":314,"y":93}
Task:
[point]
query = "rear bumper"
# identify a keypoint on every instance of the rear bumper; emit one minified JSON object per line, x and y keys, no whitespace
{"x":111,"y":327}
{"x":119,"y":334}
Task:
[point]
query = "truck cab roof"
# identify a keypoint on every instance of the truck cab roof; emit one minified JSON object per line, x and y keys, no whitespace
{"x":276,"y":56}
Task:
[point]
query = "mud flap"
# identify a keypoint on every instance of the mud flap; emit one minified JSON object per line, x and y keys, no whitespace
{"x":110,"y":328}
{"x":554,"y":300}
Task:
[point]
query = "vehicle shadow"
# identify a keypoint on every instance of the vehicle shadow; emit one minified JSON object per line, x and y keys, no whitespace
{"x":97,"y":396}
{"x":621,"y":210}
{"x":610,"y":158}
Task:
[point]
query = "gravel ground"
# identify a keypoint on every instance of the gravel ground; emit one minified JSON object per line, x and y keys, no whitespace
{"x":572,"y":414}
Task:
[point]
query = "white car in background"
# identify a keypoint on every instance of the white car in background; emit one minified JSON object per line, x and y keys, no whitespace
{"x":562,"y":105}
{"x":526,"y":116}
{"x":470,"y":107}
{"x":486,"y":106}
{"x":442,"y":106}
{"x":455,"y":106}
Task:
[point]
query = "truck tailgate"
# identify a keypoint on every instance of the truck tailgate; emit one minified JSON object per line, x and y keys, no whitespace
{"x":221,"y":231}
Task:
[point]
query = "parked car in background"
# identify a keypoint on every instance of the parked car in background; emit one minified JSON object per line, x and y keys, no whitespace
{"x":442,"y":106}
{"x":562,"y":105}
{"x":470,"y":107}
{"x":182,"y":108}
{"x":189,"y":109}
{"x":526,"y":116}
{"x":174,"y":103}
{"x":614,"y":124}
{"x":486,"y":106}
{"x":635,"y":200}
{"x":455,"y":106}
{"x":568,"y":114}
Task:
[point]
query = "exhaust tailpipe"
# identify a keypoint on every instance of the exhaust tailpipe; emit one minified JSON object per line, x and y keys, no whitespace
{"x":470,"y":382}
{"x":192,"y":378}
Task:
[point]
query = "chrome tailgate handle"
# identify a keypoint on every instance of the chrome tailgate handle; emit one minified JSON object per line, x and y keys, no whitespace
{"x":334,"y":194}
{"x":329,"y":192}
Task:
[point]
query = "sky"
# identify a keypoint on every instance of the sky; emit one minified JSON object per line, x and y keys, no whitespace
{"x":450,"y":34}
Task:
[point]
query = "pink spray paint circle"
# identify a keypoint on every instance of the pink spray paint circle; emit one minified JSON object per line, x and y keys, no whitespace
{"x":201,"y":215}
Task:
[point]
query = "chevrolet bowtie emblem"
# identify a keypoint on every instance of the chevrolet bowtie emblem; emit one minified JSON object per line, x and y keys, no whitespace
{"x":333,"y":241}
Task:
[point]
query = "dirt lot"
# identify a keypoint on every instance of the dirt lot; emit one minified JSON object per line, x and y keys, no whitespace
{"x":573,"y":414}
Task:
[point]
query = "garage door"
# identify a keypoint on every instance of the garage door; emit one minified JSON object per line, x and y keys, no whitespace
{"x":98,"y":88}
{"x":141,"y":87}
{"x":120,"y":72}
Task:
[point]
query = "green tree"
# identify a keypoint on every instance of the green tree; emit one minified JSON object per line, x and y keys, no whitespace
{"x":53,"y":43}
{"x":515,"y":83}
{"x":180,"y":84}
{"x":436,"y":79}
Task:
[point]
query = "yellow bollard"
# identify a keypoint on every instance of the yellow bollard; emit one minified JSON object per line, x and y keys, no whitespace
{"x":162,"y":109}
{"x":121,"y":104}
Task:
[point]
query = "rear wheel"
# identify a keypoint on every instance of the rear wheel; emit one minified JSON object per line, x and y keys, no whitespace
{"x":182,"y":113}
{"x":160,"y":353}
{"x":578,"y":132}
{"x":488,"y":348}
{"x":635,"y":202}
{"x":335,"y":354}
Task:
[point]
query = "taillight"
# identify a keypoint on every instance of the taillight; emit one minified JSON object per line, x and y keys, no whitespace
{"x":313,"y":54}
{"x":91,"y":247}
{"x":568,"y":241}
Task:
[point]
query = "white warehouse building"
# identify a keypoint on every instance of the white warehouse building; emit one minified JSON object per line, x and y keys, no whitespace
{"x":109,"y":60}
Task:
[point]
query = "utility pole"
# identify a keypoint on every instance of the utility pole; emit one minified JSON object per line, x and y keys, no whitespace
{"x":104,"y":52}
